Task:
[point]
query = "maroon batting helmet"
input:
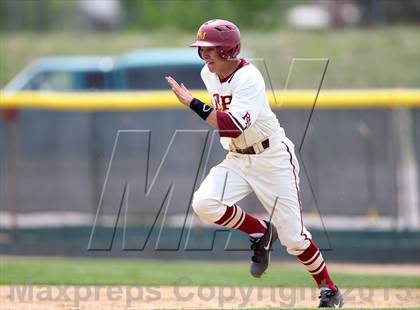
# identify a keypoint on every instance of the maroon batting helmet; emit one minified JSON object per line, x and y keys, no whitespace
{"x":222,"y":34}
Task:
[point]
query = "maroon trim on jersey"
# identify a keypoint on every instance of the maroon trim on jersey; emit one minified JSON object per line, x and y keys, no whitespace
{"x":297,"y":190}
{"x":238,"y":123}
{"x":243,"y":63}
{"x":227,"y":127}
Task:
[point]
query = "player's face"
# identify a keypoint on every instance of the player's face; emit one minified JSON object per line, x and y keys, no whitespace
{"x":214,"y":62}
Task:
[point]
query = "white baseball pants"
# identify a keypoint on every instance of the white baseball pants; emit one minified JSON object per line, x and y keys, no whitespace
{"x":274,"y":177}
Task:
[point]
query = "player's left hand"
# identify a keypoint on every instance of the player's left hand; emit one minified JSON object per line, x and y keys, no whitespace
{"x":183,"y":94}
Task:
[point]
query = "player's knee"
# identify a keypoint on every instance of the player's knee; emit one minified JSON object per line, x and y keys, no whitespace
{"x":297,"y":246}
{"x":206,"y":209}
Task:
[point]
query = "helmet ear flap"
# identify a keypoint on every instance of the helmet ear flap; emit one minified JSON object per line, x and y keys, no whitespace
{"x":222,"y":53}
{"x":199,"y":52}
{"x":229,"y":52}
{"x":236,"y":50}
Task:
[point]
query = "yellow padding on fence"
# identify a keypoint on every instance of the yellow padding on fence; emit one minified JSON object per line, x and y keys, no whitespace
{"x":327,"y":99}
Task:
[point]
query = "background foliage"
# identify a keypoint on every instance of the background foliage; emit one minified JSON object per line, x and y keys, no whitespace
{"x":359,"y":58}
{"x":54,"y":15}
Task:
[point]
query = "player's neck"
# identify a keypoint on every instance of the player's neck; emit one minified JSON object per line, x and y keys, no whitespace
{"x":229,"y":67}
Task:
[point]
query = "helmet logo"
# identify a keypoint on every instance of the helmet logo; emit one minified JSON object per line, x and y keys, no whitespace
{"x":201,"y":35}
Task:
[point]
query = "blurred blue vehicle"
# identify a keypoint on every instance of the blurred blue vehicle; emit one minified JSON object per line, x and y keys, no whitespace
{"x":139,"y":70}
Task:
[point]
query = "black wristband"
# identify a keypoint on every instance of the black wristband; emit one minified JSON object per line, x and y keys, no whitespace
{"x":200,"y":108}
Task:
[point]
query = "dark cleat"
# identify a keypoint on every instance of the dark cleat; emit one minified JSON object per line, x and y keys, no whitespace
{"x":262,"y":247}
{"x":330,"y":299}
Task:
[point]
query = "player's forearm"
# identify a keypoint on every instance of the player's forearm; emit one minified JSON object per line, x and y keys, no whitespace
{"x":207,"y":113}
{"x":217,"y":119}
{"x":212,"y":119}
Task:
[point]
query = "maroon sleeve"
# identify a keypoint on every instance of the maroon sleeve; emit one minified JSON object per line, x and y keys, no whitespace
{"x":228,"y":126}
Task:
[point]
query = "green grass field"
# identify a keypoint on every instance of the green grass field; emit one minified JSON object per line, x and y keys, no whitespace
{"x":160,"y":274}
{"x":359,"y":58}
{"x":138,"y":272}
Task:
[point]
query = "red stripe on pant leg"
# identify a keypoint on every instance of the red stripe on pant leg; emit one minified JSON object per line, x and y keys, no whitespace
{"x":323,"y":278}
{"x":297,"y":189}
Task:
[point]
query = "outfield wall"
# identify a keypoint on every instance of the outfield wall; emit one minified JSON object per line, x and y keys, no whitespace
{"x":203,"y":244}
{"x":361,"y":152}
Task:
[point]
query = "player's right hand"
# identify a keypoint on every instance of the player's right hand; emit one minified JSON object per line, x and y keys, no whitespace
{"x":183,"y":94}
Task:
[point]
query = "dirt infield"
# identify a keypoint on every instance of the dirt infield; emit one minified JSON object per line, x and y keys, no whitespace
{"x":204,"y":297}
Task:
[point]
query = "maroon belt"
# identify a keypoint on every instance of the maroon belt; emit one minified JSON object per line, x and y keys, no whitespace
{"x":250,"y":150}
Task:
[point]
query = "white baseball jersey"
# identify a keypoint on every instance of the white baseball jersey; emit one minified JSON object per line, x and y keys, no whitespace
{"x":273,"y":175}
{"x":242,"y":95}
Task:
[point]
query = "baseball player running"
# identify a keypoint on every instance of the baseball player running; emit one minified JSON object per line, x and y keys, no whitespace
{"x":260,"y":159}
